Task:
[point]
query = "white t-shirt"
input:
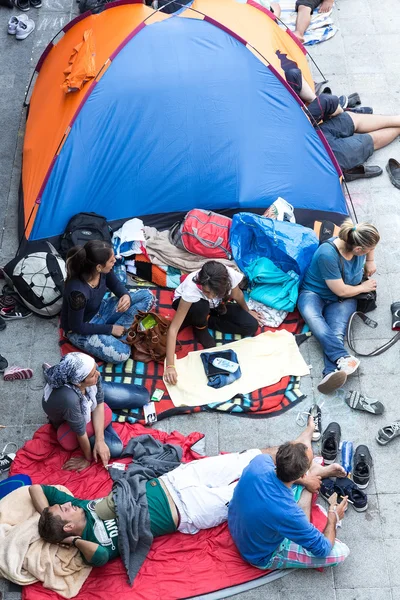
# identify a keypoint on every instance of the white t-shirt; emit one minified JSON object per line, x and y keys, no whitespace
{"x":189,"y":291}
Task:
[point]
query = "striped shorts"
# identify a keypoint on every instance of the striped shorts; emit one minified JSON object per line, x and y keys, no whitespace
{"x":292,"y":556}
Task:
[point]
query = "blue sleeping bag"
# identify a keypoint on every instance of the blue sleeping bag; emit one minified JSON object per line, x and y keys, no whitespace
{"x":271,"y":286}
{"x":13,"y":483}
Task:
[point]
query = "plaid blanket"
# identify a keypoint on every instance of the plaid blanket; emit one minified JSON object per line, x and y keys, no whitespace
{"x":265,"y":402}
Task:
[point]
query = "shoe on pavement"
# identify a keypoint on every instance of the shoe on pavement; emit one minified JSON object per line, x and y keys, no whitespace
{"x":348,"y":364}
{"x":362,"y":110}
{"x":358,"y":401}
{"x":36,"y":3}
{"x":332,"y":382}
{"x":23,"y":5}
{"x":12,"y":30}
{"x":19,"y":311}
{"x":388,"y":433}
{"x":362,"y":172}
{"x":24,"y":29}
{"x":315,"y":413}
{"x":3,"y":364}
{"x":17,"y":373}
{"x":346,"y":487}
{"x":343,"y":101}
{"x":353,"y":100}
{"x":393,"y":169}
{"x":330,"y":442}
{"x":362,"y":466}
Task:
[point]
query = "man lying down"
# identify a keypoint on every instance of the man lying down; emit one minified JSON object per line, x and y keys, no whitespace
{"x":192,"y":497}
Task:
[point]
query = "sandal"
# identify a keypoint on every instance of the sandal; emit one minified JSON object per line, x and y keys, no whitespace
{"x":358,"y":401}
{"x":388,"y":433}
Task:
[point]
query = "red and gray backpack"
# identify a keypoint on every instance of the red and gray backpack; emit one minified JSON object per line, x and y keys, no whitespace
{"x":203,"y":232}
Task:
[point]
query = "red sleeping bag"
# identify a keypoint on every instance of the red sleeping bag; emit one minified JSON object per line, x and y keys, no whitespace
{"x":178,"y":566}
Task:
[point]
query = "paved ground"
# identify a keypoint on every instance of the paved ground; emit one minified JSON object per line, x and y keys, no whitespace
{"x":364,"y":57}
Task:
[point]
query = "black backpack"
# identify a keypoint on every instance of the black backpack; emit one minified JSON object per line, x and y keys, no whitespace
{"x":83,"y":228}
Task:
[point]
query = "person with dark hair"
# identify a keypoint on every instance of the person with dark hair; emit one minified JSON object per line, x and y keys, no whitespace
{"x":269,"y":514}
{"x":204,"y":300}
{"x":327,"y":297}
{"x":192,"y":497}
{"x":92,"y":322}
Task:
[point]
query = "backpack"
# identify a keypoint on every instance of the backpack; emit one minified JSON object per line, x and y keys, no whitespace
{"x":83,"y":228}
{"x":38,"y":278}
{"x":203,"y":232}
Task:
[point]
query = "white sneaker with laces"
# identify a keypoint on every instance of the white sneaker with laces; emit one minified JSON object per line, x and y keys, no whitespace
{"x":13,"y":23}
{"x":24,"y":28}
{"x":348,"y":364}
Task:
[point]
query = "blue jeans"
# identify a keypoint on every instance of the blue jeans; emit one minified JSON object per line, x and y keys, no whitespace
{"x":112,"y":440}
{"x":107,"y":347}
{"x":125,"y":395}
{"x":328,"y":322}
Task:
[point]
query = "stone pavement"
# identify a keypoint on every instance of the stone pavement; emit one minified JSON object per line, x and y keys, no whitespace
{"x":364,"y":57}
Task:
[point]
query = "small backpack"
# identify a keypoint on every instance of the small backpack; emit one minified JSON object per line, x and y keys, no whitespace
{"x":203,"y":232}
{"x":83,"y":228}
{"x":38,"y":277}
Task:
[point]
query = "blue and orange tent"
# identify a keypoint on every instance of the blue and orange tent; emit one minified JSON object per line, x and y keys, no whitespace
{"x":168,"y":113}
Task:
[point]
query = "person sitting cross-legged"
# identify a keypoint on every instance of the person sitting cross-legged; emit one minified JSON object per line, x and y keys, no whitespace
{"x":192,"y":497}
{"x":269,"y":516}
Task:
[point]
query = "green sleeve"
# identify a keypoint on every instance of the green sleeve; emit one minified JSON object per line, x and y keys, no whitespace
{"x":55,"y":496}
{"x":100,"y":557}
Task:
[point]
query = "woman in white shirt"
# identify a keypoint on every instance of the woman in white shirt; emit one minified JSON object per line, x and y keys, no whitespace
{"x":201,"y":301}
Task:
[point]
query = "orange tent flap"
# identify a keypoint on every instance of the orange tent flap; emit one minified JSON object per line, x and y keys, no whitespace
{"x":81,"y":65}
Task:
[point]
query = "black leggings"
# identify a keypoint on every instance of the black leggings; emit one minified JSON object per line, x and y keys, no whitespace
{"x":235,"y":320}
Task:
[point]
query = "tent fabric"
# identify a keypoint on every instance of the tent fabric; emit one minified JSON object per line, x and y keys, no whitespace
{"x":211,"y":561}
{"x":186,"y":110}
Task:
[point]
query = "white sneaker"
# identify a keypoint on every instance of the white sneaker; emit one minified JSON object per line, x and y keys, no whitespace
{"x":24,"y":28}
{"x":13,"y":23}
{"x":348,"y":364}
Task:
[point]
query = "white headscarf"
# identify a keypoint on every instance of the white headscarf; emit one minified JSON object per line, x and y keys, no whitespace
{"x":71,"y":371}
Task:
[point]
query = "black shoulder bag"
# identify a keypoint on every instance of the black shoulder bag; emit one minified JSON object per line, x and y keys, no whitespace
{"x":366,"y":301}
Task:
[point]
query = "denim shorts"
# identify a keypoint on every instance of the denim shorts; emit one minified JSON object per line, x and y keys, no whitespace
{"x":351,"y":149}
{"x":313,"y":4}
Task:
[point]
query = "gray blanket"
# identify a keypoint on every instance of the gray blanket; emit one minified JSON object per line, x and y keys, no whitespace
{"x":152,"y":459}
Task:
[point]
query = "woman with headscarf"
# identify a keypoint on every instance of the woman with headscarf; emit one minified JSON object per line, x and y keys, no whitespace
{"x":74,"y":403}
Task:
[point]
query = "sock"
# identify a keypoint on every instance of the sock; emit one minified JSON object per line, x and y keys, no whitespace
{"x":203,"y":336}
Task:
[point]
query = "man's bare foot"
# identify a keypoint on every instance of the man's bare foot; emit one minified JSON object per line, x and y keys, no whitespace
{"x":325,"y":6}
{"x":333,"y":470}
{"x":299,"y":36}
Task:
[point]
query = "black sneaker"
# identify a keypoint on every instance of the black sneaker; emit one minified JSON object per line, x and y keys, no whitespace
{"x":19,"y":311}
{"x":3,"y":364}
{"x":330,"y":442}
{"x":23,"y":5}
{"x":36,"y":3}
{"x":3,"y":324}
{"x":6,"y":458}
{"x":315,"y":413}
{"x":346,"y":487}
{"x":362,"y":466}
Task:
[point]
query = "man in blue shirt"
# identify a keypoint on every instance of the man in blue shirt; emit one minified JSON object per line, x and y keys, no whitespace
{"x":269,"y":516}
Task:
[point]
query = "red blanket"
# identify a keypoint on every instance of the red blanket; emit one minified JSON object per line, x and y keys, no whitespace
{"x":178,"y":566}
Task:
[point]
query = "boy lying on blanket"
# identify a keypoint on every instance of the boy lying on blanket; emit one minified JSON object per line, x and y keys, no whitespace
{"x":191,"y":497}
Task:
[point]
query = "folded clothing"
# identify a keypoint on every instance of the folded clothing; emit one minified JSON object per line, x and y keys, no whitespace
{"x":218,"y":377}
{"x":270,"y":317}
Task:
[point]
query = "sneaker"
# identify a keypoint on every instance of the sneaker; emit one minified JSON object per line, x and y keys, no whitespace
{"x":12,"y":30}
{"x":315,"y":413}
{"x":36,"y":3}
{"x":6,"y":300}
{"x":19,"y":311}
{"x":388,"y":433}
{"x":332,"y":382}
{"x":6,"y":458}
{"x":22,"y":5}
{"x":330,"y":442}
{"x":3,"y":324}
{"x":343,"y":101}
{"x":348,"y":364}
{"x":3,"y":364}
{"x":24,"y":29}
{"x":346,"y":487}
{"x":358,"y":401}
{"x":362,"y":465}
{"x":15,"y":373}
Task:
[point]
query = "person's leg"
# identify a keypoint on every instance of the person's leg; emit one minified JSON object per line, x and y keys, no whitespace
{"x":368,"y":123}
{"x":197,"y":317}
{"x":383,"y":137}
{"x":312,"y":307}
{"x":276,"y":9}
{"x":337,"y":315}
{"x":303,"y":21}
{"x":141,"y":300}
{"x":113,"y":441}
{"x":107,"y":421}
{"x":125,"y":395}
{"x":235,"y":320}
{"x":292,"y":556}
{"x":104,"y":347}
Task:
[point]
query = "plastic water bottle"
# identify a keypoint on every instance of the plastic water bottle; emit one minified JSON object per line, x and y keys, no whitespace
{"x":347,"y":456}
{"x":226,"y":365}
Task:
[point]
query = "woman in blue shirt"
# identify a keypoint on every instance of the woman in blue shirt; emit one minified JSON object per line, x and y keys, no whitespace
{"x":327,"y":297}
{"x":92,"y":322}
